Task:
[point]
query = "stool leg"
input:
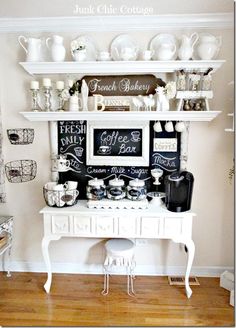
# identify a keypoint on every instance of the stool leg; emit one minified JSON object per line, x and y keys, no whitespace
{"x":130,"y":285}
{"x":106,"y":284}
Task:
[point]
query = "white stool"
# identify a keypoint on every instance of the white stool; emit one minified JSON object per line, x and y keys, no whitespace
{"x":119,"y":254}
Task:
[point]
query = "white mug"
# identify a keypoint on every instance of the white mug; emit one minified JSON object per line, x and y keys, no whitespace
{"x":71,"y":196}
{"x":180,"y":126}
{"x":50,"y":185}
{"x":157,"y":127}
{"x":169,"y":127}
{"x":71,"y":185}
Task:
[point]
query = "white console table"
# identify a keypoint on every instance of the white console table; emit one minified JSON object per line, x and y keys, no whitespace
{"x":81,"y":221}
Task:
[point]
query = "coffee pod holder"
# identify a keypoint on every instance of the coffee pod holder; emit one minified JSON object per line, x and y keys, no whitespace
{"x":21,"y":171}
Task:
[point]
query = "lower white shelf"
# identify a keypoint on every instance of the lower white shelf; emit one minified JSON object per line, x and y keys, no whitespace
{"x":134,"y":116}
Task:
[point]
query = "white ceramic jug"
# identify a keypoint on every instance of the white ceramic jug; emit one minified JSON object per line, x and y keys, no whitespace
{"x":128,"y":53}
{"x":33,"y":49}
{"x":185,"y":51}
{"x":166,"y":51}
{"x":208,"y":46}
{"x":58,"y":51}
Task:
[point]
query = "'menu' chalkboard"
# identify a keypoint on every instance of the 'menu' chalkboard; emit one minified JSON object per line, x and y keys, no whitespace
{"x":121,"y":143}
{"x":72,"y":141}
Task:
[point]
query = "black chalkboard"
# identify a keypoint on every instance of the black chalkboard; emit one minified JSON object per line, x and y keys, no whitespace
{"x":72,"y":141}
{"x":117,"y":142}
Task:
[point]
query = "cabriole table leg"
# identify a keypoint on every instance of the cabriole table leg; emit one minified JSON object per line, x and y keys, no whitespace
{"x":45,"y":244}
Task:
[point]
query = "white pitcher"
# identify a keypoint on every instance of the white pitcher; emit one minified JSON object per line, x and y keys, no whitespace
{"x":185,"y":51}
{"x":208,"y":46}
{"x":58,"y":51}
{"x":33,"y":49}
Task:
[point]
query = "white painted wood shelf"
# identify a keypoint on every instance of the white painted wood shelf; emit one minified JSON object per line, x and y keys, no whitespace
{"x":206,"y":116}
{"x":119,"y":67}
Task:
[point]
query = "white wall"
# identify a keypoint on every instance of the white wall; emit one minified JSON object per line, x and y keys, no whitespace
{"x":210,"y":156}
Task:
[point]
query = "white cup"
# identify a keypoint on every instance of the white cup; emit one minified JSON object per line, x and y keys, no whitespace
{"x":50,"y":198}
{"x":70,"y":196}
{"x":59,"y":198}
{"x":104,"y":55}
{"x":180,"y":127}
{"x":157,"y":127}
{"x":147,"y":55}
{"x":50,"y":185}
{"x":169,"y":127}
{"x":71,"y":185}
{"x":59,"y":187}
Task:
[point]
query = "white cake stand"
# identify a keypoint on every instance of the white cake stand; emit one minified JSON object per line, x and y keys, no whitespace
{"x":156,"y":197}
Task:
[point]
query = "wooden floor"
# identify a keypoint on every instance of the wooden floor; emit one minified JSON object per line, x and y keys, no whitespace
{"x":75,"y":300}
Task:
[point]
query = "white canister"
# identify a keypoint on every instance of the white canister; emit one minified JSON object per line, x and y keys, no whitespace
{"x":116,"y":189}
{"x":136,"y":190}
{"x":96,"y":189}
{"x":74,"y":103}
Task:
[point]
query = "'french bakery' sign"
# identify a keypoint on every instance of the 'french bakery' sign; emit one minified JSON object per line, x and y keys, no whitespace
{"x":128,"y":85}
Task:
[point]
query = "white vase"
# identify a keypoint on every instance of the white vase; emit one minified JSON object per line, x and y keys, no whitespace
{"x":56,"y":47}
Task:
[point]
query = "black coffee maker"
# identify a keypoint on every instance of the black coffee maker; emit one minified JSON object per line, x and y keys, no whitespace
{"x":178,"y":189}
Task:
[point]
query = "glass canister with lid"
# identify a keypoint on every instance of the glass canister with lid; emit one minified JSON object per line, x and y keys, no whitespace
{"x":116,"y":189}
{"x":96,"y":189}
{"x":136,"y":190}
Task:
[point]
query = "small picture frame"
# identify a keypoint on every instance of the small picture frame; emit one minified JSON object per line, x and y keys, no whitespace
{"x":118,"y":143}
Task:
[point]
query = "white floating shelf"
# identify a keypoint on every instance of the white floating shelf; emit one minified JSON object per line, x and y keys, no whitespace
{"x":119,"y":67}
{"x":111,"y":116}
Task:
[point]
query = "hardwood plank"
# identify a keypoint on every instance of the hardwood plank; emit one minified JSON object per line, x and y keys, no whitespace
{"x":76,"y":300}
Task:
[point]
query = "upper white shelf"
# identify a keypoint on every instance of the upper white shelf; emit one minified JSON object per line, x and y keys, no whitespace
{"x":119,"y":67}
{"x":111,"y":116}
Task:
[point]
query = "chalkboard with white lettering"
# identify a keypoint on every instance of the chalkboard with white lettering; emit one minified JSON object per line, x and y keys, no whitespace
{"x":72,"y":142}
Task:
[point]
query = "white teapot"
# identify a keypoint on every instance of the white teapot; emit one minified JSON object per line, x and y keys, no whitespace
{"x":166,"y":51}
{"x":33,"y":50}
{"x":185,"y":51}
{"x":128,"y":53}
{"x":208,"y":46}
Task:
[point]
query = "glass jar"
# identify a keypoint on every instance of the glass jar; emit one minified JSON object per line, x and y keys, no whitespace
{"x":116,"y":189}
{"x":136,"y":190}
{"x":96,"y":189}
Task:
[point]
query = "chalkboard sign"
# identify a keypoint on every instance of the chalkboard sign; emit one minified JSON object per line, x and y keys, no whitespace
{"x":73,"y":139}
{"x":123,"y":143}
{"x":117,"y":142}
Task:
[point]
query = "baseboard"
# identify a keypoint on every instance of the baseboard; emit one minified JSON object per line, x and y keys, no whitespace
{"x":142,"y":270}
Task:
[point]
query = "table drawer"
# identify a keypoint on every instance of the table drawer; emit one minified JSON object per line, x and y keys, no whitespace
{"x":105,"y":226}
{"x":150,"y":226}
{"x":127,"y":226}
{"x":83,"y":225}
{"x":61,"y":224}
{"x":173,"y":226}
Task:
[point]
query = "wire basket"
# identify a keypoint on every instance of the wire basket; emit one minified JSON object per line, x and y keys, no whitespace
{"x":20,"y":136}
{"x":60,"y":198}
{"x":21,"y":171}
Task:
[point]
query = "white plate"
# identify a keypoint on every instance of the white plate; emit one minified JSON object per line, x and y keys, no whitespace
{"x":162,"y":39}
{"x":121,"y":42}
{"x":91,"y":49}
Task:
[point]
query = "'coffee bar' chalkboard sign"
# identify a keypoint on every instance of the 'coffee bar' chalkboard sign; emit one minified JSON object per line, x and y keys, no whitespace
{"x":81,"y":141}
{"x":121,"y":143}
